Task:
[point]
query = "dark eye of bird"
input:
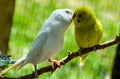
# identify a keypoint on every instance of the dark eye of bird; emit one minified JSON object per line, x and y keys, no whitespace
{"x":67,"y":12}
{"x":79,"y":16}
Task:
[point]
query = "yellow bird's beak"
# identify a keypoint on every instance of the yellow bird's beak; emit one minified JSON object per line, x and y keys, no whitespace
{"x":74,"y":15}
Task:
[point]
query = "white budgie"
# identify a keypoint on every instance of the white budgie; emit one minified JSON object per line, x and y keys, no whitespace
{"x":49,"y":40}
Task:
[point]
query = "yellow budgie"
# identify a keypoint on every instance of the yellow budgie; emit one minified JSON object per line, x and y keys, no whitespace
{"x":88,"y":29}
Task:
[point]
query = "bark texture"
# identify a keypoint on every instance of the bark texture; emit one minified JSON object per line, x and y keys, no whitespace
{"x":6,"y":17}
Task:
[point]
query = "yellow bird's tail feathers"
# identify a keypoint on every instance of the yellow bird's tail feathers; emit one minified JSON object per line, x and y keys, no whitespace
{"x":17,"y":64}
{"x":82,"y":61}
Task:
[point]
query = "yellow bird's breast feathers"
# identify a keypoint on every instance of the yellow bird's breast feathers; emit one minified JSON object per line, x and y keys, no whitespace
{"x":88,"y":35}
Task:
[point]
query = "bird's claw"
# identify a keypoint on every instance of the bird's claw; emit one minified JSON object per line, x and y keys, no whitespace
{"x":55,"y":62}
{"x":80,"y":51}
{"x":94,"y":48}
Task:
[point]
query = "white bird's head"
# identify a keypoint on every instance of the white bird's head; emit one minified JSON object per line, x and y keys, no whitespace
{"x":59,"y":20}
{"x":63,"y":15}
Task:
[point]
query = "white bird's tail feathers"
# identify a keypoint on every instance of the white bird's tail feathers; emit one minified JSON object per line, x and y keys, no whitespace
{"x":18,"y":64}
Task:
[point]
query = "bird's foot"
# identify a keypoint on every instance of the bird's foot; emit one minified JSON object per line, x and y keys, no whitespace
{"x":94,"y":48}
{"x":55,"y":62}
{"x":36,"y":73}
{"x":80,"y":51}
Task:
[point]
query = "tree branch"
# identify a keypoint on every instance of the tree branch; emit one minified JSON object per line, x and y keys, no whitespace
{"x":67,"y":59}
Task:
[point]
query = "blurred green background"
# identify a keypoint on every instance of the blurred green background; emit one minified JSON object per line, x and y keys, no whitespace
{"x":29,"y":16}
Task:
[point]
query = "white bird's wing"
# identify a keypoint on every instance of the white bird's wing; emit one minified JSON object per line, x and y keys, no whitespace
{"x":32,"y":54}
{"x":36,"y":49}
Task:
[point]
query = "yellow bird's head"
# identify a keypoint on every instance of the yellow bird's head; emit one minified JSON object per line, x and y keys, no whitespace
{"x":83,"y":15}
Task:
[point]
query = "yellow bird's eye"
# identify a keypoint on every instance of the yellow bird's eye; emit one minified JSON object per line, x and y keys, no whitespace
{"x":79,"y":16}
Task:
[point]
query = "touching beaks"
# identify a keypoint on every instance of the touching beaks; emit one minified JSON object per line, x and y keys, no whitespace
{"x":74,"y":15}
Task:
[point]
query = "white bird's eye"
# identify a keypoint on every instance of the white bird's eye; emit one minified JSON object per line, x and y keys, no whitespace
{"x":67,"y":12}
